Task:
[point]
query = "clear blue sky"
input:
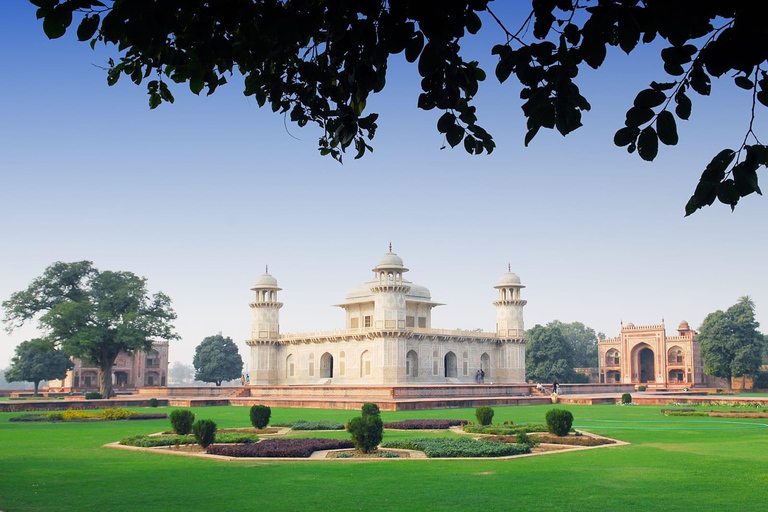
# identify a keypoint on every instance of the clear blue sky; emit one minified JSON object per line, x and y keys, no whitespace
{"x":198,"y":196}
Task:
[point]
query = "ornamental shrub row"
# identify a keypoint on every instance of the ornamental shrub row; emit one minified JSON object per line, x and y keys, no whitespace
{"x":145,"y":441}
{"x":436,"y":447}
{"x":78,"y":414}
{"x":148,"y":416}
{"x":280,"y":447}
{"x":424,"y":424}
{"x":505,"y":430}
{"x":93,"y":395}
{"x":316,"y":425}
{"x":116,"y":413}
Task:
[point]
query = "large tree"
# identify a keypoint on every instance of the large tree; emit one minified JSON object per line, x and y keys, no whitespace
{"x":36,"y":360}
{"x":318,"y":61}
{"x":93,"y":315}
{"x":217,"y":359}
{"x":583,"y":342}
{"x":731,"y":345}
{"x":548,"y":355}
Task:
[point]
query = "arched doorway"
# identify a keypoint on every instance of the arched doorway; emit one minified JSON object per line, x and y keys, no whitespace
{"x":365,"y":363}
{"x":646,"y":370}
{"x":326,"y":366}
{"x":290,"y":366}
{"x":485,"y":365}
{"x":449,"y":362}
{"x":412,"y":364}
{"x":121,"y":380}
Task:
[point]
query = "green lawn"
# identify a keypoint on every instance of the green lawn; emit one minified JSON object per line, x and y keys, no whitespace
{"x":674,"y":463}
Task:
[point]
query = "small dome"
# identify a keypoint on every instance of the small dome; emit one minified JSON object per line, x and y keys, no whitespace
{"x":266,"y":281}
{"x":390,"y":260}
{"x":509,"y":279}
{"x":684,"y":326}
{"x":630,"y":325}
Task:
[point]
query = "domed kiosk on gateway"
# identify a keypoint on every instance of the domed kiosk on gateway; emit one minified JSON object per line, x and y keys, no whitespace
{"x":388,"y":338}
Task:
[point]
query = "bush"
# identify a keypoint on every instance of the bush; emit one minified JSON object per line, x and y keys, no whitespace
{"x":205,"y":432}
{"x":93,"y":395}
{"x":280,"y":447}
{"x":367,"y":430}
{"x":236,"y":437}
{"x":484,"y":415}
{"x":260,"y":416}
{"x":626,"y":398}
{"x":181,"y":421}
{"x":641,"y":388}
{"x":116,"y":413}
{"x":148,"y":416}
{"x":371,"y":409}
{"x":510,"y":430}
{"x":78,"y":414}
{"x":55,"y":416}
{"x":424,"y":424}
{"x":761,"y":380}
{"x":316,"y":425}
{"x":153,"y":402}
{"x":145,"y":441}
{"x":435,"y":447}
{"x":559,"y":421}
{"x":526,"y":440}
{"x":30,"y":418}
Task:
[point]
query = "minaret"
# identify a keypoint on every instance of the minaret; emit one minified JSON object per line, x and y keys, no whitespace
{"x":265,"y":330}
{"x":389,"y":290}
{"x":509,"y":307}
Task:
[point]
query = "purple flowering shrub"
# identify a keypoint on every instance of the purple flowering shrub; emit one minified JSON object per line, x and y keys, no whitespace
{"x":424,"y":424}
{"x":303,"y":447}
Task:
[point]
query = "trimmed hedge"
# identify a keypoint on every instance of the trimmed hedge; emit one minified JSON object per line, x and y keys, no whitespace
{"x":148,"y":416}
{"x":317,"y":425}
{"x":93,"y":395}
{"x":182,"y":420}
{"x":260,"y":415}
{"x":559,"y":421}
{"x":367,"y":430}
{"x":303,"y":447}
{"x":424,"y":424}
{"x":437,"y":447}
{"x":626,"y":398}
{"x":504,"y":430}
{"x":205,"y":432}
{"x":484,"y":415}
{"x":145,"y":441}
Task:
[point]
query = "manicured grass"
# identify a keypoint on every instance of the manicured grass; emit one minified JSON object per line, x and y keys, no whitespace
{"x":674,"y":464}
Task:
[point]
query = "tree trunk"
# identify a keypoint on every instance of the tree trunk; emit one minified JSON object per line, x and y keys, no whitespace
{"x":105,"y":377}
{"x":37,"y":383}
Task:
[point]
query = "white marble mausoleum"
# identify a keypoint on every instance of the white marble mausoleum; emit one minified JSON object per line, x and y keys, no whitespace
{"x":388,"y":338}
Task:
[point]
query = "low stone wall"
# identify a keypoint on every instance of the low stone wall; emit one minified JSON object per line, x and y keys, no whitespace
{"x":188,"y":391}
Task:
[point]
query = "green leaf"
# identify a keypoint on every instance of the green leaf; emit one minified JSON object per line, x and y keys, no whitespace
{"x":762,"y":97}
{"x":531,"y":134}
{"x":56,"y":22}
{"x":743,"y":82}
{"x":473,"y":22}
{"x":648,"y":144}
{"x":715,"y":170}
{"x":637,"y":116}
{"x":663,"y":86}
{"x":454,"y":135}
{"x":649,"y":98}
{"x":727,"y":193}
{"x":196,"y":85}
{"x":88,"y":27}
{"x":428,"y":60}
{"x":413,"y":47}
{"x":683,"y":109}
{"x":626,"y":135}
{"x":666,"y":128}
{"x":593,"y":52}
{"x":503,"y":70}
{"x":445,"y":122}
{"x":745,"y":179}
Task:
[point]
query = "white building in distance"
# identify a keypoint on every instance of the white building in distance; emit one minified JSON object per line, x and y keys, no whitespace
{"x":388,"y":339}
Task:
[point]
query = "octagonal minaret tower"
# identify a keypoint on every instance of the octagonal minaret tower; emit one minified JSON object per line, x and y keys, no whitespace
{"x":509,"y":307}
{"x":389,"y":292}
{"x":265,"y":330}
